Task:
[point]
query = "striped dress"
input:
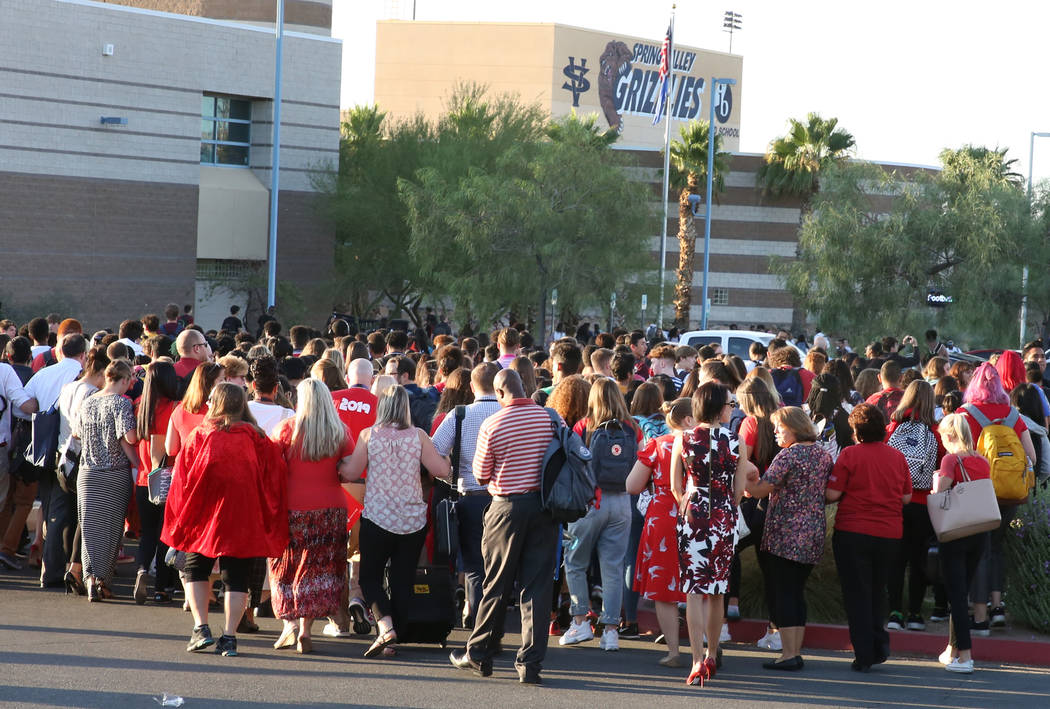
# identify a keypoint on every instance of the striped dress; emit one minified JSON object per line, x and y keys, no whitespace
{"x":104,"y":484}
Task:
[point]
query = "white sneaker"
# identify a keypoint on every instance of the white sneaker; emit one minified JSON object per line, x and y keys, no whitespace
{"x":770,"y":641}
{"x":332,"y":630}
{"x":577,"y":633}
{"x":724,"y":636}
{"x":610,"y":641}
{"x":963,"y":668}
{"x":945,"y":658}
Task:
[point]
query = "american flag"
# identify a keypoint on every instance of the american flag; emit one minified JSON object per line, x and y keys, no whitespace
{"x":665,"y":76}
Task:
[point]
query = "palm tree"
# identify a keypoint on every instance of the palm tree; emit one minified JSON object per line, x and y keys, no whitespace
{"x":795,"y":161}
{"x":689,"y":174}
{"x":977,"y":162}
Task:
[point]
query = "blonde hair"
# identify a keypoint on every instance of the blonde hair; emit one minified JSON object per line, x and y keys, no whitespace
{"x":233,"y":366}
{"x":956,"y":434}
{"x":318,"y":432}
{"x":393,"y":408}
{"x":795,"y":420}
{"x":605,"y":402}
{"x":382,"y":382}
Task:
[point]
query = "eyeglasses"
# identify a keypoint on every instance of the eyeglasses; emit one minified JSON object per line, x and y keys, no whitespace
{"x":201,"y":344}
{"x":732,"y":404}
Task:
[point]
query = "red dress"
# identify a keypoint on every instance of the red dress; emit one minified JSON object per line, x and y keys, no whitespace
{"x":656,"y":570}
{"x":228,"y":495}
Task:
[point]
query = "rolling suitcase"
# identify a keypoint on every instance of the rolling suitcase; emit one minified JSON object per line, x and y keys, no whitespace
{"x":431,"y":614}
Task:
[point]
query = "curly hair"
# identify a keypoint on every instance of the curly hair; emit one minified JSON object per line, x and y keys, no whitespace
{"x":569,"y":398}
{"x":868,"y":423}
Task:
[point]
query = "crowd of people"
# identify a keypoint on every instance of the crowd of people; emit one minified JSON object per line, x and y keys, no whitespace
{"x":299,"y":472}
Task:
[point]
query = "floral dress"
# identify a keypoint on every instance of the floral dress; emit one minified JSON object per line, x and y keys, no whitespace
{"x":656,"y":569}
{"x":707,"y":530}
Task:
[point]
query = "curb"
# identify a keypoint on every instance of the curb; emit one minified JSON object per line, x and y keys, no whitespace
{"x":902,"y":642}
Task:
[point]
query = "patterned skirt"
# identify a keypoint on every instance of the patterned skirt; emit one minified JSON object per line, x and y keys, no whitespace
{"x":307,"y":581}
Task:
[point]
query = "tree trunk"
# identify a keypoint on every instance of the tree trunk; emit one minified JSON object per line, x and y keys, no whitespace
{"x":683,"y":290}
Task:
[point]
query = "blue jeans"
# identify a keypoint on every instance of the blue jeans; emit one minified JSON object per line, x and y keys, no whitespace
{"x":607,"y":529}
{"x":630,"y":596}
{"x":470,"y":509}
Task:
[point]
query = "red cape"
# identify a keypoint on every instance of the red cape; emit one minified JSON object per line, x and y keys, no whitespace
{"x":228,"y":495}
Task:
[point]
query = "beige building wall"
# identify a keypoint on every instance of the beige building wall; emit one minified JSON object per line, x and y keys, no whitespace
{"x":563,"y":68}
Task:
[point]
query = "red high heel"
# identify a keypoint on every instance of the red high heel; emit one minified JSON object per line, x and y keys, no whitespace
{"x":699,"y":674}
{"x":711,"y":666}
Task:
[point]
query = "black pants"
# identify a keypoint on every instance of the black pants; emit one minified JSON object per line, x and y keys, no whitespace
{"x":914,"y":548}
{"x":991,"y":573}
{"x":151,"y":518}
{"x":755,"y":519}
{"x":863,"y":564}
{"x":518,"y":546}
{"x":61,"y":516}
{"x":788,"y":579}
{"x":234,"y":571}
{"x":470,"y":511}
{"x":378,"y":546}
{"x":959,"y":561}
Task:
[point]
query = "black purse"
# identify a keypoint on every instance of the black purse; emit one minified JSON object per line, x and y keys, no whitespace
{"x":446,"y":521}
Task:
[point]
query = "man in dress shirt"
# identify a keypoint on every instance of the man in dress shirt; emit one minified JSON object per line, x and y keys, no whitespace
{"x":474,"y":497}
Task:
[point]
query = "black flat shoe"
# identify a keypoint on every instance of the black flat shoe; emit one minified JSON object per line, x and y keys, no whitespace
{"x":792,"y":664}
{"x":462,"y":661}
{"x":857,"y":666}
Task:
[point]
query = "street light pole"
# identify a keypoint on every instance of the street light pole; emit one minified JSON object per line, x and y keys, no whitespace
{"x":710,"y":179}
{"x":1024,"y":270}
{"x":275,"y":162}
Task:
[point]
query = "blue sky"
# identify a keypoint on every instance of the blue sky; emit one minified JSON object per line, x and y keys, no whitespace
{"x":906,"y":78}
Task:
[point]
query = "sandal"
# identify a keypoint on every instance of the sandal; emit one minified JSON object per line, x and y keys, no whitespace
{"x":382,"y":642}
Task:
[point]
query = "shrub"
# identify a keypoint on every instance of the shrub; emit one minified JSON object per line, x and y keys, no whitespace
{"x":1027,"y":549}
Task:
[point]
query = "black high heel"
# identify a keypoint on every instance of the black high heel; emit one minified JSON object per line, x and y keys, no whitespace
{"x":74,"y":586}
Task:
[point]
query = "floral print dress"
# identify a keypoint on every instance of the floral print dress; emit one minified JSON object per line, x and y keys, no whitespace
{"x":707,"y":530}
{"x":656,"y":569}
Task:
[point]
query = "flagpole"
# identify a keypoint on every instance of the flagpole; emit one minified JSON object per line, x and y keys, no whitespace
{"x":667,"y":169}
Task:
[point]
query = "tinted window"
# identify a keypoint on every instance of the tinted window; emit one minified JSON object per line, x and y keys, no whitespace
{"x":698,"y":341}
{"x":739,"y":346}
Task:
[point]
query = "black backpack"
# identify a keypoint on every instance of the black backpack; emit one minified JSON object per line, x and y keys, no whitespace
{"x":789,"y":385}
{"x":422,"y":407}
{"x":614,"y":449}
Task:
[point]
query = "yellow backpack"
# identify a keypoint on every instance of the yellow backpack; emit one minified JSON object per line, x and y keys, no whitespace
{"x":1012,"y":477}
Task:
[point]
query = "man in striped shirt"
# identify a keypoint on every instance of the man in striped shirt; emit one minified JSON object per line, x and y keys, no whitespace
{"x":519,"y":538}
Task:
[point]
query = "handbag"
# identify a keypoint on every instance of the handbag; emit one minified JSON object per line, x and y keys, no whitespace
{"x":446,"y":521}
{"x":159,"y":482}
{"x":69,"y":464}
{"x":44,"y":442}
{"x":967,"y":508}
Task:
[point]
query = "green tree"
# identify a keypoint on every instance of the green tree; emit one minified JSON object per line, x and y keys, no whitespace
{"x":372,"y":256}
{"x":689,"y":175}
{"x":876,"y":242}
{"x":794,"y":162}
{"x":534,"y":215}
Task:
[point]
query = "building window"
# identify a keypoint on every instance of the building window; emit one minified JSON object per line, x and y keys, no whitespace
{"x":226,"y":271}
{"x":719,"y":296}
{"x":226,"y":129}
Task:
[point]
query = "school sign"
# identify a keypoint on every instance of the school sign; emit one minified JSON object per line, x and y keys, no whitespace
{"x":563,"y":68}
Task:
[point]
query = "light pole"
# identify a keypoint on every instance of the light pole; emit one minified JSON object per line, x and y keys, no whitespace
{"x":710,"y":179}
{"x":275,"y":161}
{"x":1024,"y":270}
{"x":730,"y":23}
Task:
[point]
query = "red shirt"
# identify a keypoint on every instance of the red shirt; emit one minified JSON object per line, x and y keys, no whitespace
{"x":977,"y":467}
{"x":38,"y":361}
{"x":185,"y":366}
{"x":511,"y":446}
{"x":184,"y":422}
{"x":356,"y":407}
{"x":873,"y":478}
{"x":312,"y":485}
{"x":161,"y":416}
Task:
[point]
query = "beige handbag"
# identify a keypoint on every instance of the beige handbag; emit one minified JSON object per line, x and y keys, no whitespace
{"x":967,"y":508}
